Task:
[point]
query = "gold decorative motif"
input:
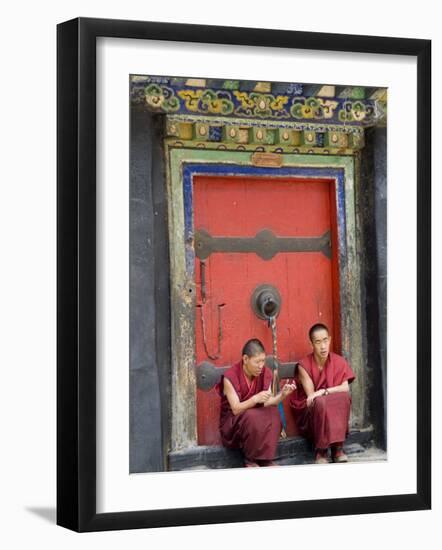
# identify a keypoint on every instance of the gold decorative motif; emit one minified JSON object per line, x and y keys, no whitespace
{"x":267,"y":159}
{"x":326,"y":91}
{"x":259,"y":134}
{"x":328,"y":108}
{"x":208,"y":100}
{"x":185,"y":130}
{"x":263,"y":87}
{"x":243,"y":135}
{"x":197,"y":82}
{"x":313,"y":107}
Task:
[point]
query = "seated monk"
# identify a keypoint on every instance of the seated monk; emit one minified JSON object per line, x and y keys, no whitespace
{"x":321,"y":402}
{"x":249,"y":418}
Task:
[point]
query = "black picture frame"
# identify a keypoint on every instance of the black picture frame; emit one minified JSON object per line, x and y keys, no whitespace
{"x":76,"y":274}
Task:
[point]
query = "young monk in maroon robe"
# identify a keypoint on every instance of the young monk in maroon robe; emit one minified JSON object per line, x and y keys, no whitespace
{"x":249,"y":418}
{"x":321,"y":403}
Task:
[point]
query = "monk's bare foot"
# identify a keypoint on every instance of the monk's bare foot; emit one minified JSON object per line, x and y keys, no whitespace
{"x":338,"y":454}
{"x":250,"y":464}
{"x":321,"y":456}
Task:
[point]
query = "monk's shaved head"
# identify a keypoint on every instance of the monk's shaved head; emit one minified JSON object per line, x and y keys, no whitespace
{"x":315,"y":328}
{"x":253,"y":347}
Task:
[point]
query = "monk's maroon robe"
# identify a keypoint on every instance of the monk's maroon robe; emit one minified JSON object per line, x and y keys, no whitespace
{"x":256,"y":430}
{"x":326,"y":421}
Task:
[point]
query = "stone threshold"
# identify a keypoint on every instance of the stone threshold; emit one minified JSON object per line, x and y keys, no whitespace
{"x":290,"y":451}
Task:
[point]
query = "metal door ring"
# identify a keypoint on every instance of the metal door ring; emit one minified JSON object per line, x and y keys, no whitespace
{"x":266,"y":301}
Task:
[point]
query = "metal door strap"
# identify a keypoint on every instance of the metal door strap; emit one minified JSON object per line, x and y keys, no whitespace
{"x":220,"y":331}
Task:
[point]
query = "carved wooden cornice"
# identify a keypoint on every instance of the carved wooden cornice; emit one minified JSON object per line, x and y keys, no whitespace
{"x":354,"y":106}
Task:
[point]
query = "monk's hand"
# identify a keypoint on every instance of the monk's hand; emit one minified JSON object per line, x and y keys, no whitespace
{"x":313,"y":396}
{"x":288,"y":389}
{"x":263,"y":396}
{"x":310,"y":399}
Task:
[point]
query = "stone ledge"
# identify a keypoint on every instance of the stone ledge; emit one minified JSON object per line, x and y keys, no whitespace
{"x":293,"y":450}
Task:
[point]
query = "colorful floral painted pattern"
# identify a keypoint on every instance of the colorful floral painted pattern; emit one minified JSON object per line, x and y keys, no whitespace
{"x":175,"y":96}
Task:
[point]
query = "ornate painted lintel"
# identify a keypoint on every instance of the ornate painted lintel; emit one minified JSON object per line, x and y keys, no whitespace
{"x":267,"y":135}
{"x":277,"y":101}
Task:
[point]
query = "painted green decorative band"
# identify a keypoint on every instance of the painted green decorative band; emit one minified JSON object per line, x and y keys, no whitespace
{"x":227,"y":133}
{"x":251,"y":148}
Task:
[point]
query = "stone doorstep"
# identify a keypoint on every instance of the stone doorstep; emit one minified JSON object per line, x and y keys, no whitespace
{"x":293,"y":450}
{"x":356,"y":454}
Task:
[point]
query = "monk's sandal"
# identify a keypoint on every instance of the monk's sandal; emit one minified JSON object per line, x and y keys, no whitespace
{"x":338,"y":455}
{"x":250,"y":464}
{"x":321,"y":457}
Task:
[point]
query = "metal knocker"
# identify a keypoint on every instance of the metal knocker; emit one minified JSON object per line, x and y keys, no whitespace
{"x":266,"y":302}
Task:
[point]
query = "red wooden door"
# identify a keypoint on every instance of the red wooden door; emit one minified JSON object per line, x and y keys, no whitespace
{"x":307,"y":281}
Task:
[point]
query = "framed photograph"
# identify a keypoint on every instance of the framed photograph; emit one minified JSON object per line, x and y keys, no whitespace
{"x":243,"y":274}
